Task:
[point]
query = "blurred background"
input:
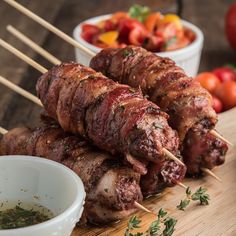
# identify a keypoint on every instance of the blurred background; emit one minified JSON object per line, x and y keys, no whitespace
{"x":208,"y":15}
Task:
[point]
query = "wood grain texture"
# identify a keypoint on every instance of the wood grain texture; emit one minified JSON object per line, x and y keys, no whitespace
{"x":216,"y":219}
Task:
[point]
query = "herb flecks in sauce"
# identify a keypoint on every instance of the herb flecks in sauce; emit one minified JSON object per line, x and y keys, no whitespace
{"x":18,"y":217}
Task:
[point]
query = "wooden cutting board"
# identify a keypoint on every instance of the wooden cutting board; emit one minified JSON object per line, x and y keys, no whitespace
{"x":218,"y":218}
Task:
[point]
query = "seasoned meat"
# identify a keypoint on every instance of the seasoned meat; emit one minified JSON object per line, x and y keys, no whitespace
{"x":186,"y":102}
{"x":114,"y":117}
{"x":110,"y":186}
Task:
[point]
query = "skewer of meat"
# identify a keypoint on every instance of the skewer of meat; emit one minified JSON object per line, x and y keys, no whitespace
{"x":187,"y":103}
{"x":207,"y":147}
{"x":157,"y":178}
{"x":114,"y":117}
{"x":68,"y":39}
{"x":112,"y":189}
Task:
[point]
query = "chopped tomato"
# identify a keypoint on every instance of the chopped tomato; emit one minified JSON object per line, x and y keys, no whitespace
{"x":136,"y":37}
{"x":225,"y":74}
{"x":119,"y":15}
{"x":217,"y":104}
{"x":208,"y":81}
{"x":109,"y":25}
{"x":226,"y":92}
{"x":89,"y":31}
{"x":151,"y":21}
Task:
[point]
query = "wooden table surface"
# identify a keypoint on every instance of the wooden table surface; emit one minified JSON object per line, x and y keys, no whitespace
{"x":66,"y":14}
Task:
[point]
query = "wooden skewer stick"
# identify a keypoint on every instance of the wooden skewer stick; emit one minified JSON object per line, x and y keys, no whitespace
{"x":181,"y":185}
{"x":33,"y":45}
{"x":42,"y":69}
{"x":3,"y":131}
{"x":209,"y":172}
{"x":216,"y":134}
{"x":49,"y":26}
{"x":22,"y":56}
{"x":136,"y":204}
{"x":20,"y":91}
{"x":70,"y":40}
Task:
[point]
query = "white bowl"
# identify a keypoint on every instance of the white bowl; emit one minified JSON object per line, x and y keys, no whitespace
{"x":188,"y":57}
{"x":42,"y":182}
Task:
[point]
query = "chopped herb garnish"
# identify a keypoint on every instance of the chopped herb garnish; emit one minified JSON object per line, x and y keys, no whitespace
{"x":127,"y":53}
{"x":200,"y":195}
{"x":157,"y":126}
{"x":155,"y":226}
{"x":139,"y":12}
{"x":132,"y":90}
{"x":19,"y":217}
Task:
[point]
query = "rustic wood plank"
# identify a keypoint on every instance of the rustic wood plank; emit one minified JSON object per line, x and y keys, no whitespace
{"x":217,"y":219}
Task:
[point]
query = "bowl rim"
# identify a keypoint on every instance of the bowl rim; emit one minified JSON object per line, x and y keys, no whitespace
{"x":191,"y":47}
{"x":78,"y":200}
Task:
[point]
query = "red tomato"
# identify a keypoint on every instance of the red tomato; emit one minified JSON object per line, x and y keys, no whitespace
{"x":127,"y":24}
{"x":136,"y":37}
{"x":226,"y":92}
{"x":89,"y":32}
{"x":109,"y":25}
{"x":217,"y":104}
{"x":225,"y":73}
{"x":208,"y":81}
{"x":230,"y":25}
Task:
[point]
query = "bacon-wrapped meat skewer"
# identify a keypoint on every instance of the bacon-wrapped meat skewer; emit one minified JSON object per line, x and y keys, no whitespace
{"x":111,"y":188}
{"x":187,"y":103}
{"x":114,"y":117}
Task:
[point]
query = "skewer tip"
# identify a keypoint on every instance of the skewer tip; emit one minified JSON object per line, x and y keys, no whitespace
{"x":143,"y":208}
{"x":172,"y":157}
{"x":209,"y":172}
{"x":216,"y":134}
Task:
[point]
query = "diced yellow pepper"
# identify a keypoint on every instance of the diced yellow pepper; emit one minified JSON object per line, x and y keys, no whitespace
{"x":109,"y":37}
{"x":172,"y":18}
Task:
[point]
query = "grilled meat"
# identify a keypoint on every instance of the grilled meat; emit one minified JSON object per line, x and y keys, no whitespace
{"x":114,"y":117}
{"x":186,"y":102}
{"x":111,"y":188}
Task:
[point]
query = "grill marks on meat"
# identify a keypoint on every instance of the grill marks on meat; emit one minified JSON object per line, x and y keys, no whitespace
{"x":186,"y":102}
{"x":104,"y":178}
{"x":115,"y":117}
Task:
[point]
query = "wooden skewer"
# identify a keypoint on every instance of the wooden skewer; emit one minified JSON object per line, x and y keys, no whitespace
{"x":181,"y":185}
{"x":49,"y":26}
{"x":20,"y":91}
{"x":23,"y":56}
{"x":3,"y":131}
{"x":43,"y":70}
{"x":216,"y":134}
{"x":70,"y":40}
{"x":209,"y":172}
{"x":136,"y":204}
{"x":33,"y":45}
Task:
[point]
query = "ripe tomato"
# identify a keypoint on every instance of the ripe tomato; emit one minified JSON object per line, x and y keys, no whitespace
{"x":208,"y":81}
{"x":230,"y":25}
{"x":89,"y":32}
{"x":217,"y":104}
{"x":226,"y":92}
{"x":225,"y":73}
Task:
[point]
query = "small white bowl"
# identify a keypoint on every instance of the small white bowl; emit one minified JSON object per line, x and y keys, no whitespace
{"x":188,"y":57}
{"x":46,"y":183}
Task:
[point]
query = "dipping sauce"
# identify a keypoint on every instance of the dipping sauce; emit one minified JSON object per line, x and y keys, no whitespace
{"x":23,"y":215}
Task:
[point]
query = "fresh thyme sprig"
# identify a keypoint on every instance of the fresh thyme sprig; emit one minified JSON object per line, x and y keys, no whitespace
{"x":200,"y":195}
{"x":154,"y":228}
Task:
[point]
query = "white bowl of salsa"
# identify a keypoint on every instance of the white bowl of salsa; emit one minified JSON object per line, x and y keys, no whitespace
{"x":31,"y":186}
{"x":187,"y":57}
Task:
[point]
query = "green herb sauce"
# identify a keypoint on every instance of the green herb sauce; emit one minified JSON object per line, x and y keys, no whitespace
{"x":18,"y":217}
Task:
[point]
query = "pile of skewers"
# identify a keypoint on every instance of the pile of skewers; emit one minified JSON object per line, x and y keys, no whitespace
{"x":125,"y":140}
